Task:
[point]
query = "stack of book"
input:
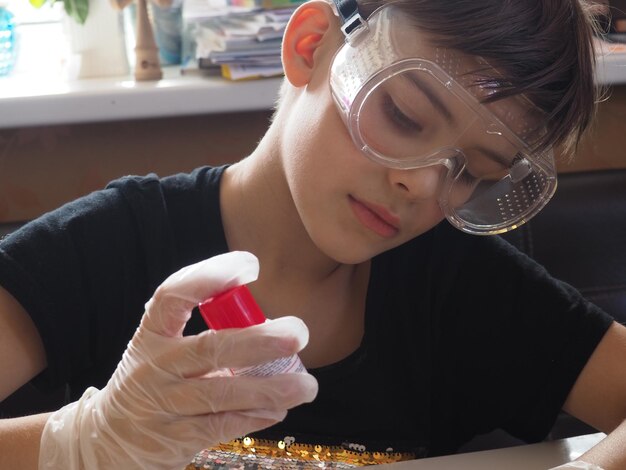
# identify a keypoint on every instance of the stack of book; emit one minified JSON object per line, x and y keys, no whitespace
{"x":238,"y":40}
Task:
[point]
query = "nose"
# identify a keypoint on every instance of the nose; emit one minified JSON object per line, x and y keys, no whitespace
{"x":418,"y":184}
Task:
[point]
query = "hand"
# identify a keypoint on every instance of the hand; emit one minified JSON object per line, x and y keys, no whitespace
{"x":169,"y":397}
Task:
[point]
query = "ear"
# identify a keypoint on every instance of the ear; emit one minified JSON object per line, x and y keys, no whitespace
{"x":305,"y":32}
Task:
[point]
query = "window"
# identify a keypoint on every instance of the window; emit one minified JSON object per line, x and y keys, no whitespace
{"x":42,"y":46}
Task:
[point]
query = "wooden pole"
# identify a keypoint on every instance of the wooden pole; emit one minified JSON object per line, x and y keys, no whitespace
{"x":147,"y":64}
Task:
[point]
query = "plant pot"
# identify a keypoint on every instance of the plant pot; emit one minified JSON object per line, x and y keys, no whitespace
{"x":97,"y":48}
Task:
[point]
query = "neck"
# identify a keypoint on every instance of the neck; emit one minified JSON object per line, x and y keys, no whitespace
{"x":296,"y":277}
{"x":260,"y":216}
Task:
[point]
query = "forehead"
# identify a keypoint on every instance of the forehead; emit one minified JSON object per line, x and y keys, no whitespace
{"x":394,"y":38}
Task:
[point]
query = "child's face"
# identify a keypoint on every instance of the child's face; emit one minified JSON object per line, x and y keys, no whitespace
{"x":351,"y":207}
{"x":354,"y":205}
{"x":411,"y":104}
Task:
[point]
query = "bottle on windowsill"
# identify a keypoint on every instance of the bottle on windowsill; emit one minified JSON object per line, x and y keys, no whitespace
{"x":8,"y":41}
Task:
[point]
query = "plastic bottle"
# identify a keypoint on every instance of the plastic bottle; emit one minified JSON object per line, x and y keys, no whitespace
{"x":168,"y":29}
{"x":8,"y":41}
{"x":236,"y":308}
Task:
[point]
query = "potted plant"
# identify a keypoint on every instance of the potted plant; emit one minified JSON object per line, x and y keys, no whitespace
{"x":76,"y":9}
{"x":95,"y":38}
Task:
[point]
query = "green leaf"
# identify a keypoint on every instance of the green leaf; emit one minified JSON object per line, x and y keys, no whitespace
{"x":77,"y":9}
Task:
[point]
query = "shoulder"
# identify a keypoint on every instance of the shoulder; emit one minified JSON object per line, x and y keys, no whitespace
{"x":180,"y":210}
{"x":201,"y":179}
{"x":152,"y":197}
{"x":515,"y":336}
{"x":451,"y":255}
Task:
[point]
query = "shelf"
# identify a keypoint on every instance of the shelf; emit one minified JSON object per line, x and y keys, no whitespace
{"x":29,"y":101}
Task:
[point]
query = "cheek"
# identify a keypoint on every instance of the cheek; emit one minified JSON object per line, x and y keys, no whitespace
{"x":429,"y":215}
{"x":318,"y":148}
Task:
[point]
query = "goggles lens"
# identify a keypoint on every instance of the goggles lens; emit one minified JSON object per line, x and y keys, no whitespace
{"x":409,"y":116}
{"x":501,"y":201}
{"x":407,"y":111}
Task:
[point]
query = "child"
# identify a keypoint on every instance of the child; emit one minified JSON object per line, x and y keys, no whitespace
{"x":421,"y":335}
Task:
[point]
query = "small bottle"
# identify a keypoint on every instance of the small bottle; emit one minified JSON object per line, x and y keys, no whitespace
{"x":168,"y":30}
{"x":236,"y":308}
{"x":8,"y":41}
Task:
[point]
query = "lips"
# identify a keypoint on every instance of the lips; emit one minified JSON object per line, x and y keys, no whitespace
{"x":376,"y":218}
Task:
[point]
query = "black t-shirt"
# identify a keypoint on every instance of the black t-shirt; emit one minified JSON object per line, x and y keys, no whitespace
{"x":463,"y":334}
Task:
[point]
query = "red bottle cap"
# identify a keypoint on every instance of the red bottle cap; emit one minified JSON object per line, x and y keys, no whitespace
{"x":233,"y":308}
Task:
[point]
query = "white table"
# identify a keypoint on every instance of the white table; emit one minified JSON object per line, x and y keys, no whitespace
{"x":540,"y":456}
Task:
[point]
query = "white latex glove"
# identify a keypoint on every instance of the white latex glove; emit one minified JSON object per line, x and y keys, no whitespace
{"x":577,"y":465}
{"x":169,"y":398}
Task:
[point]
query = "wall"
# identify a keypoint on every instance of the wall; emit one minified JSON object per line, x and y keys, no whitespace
{"x":604,"y":146}
{"x":43,"y":167}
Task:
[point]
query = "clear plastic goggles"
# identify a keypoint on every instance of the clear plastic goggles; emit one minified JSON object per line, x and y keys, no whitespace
{"x":408,"y":104}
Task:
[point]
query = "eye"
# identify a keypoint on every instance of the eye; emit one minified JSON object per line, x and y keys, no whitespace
{"x":466,"y":178}
{"x":400,"y":120}
{"x":487,"y":166}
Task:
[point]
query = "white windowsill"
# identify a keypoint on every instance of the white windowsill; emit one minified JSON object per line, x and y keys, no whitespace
{"x":29,"y":100}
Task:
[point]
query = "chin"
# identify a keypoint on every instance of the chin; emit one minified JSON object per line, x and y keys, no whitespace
{"x":353,"y":260}
{"x":353,"y":251}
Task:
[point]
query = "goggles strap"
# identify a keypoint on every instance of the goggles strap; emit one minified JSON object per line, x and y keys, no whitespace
{"x":350,"y":17}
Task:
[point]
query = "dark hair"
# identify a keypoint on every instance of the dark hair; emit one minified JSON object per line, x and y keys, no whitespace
{"x":544,"y":49}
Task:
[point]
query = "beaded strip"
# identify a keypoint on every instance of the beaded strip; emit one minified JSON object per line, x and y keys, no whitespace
{"x":252,"y":454}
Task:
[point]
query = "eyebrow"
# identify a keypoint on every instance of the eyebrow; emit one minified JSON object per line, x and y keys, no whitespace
{"x":445,"y":112}
{"x":432,"y":97}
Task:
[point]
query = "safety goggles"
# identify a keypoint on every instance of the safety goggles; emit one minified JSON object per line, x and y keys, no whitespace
{"x":409,"y":104}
